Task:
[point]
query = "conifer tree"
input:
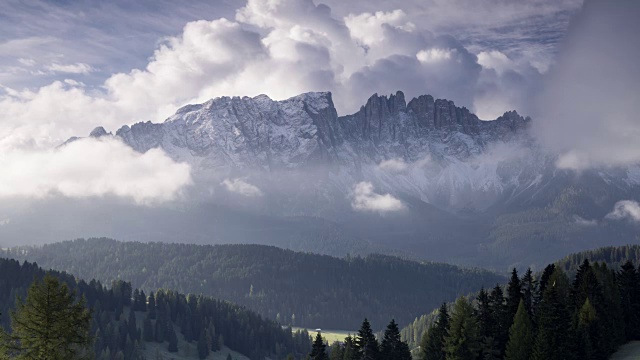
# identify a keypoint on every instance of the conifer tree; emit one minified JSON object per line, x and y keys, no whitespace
{"x":366,"y":342}
{"x":50,"y":324}
{"x":350,"y":349}
{"x":544,"y":279}
{"x":336,"y":351}
{"x":173,"y":339}
{"x":432,"y":342}
{"x":514,"y":294}
{"x":528,"y":291}
{"x":629,"y":285}
{"x":553,"y":340}
{"x":500,"y":314}
{"x":521,"y":338}
{"x":151,"y":307}
{"x":203,"y":346}
{"x":147,"y":330}
{"x":319,"y":349}
{"x":392,"y":347}
{"x":463,"y":340}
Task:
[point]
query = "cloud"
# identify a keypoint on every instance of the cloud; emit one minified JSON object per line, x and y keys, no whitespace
{"x":584,"y":222}
{"x":625,"y":209}
{"x":393,"y":165}
{"x":240,"y":186}
{"x":365,"y":199}
{"x":280,"y":48}
{"x":434,"y":55}
{"x":4,"y":222}
{"x":92,"y":168}
{"x":77,"y":68}
{"x":588,"y":111}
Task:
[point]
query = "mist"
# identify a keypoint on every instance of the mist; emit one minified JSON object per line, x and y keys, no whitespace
{"x":587,"y":112}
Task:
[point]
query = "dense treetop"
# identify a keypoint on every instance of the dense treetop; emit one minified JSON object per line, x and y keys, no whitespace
{"x":294,"y":288}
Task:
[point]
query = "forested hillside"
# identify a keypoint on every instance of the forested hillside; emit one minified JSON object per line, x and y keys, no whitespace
{"x":293,"y":288}
{"x":614,"y":256}
{"x":165,"y":317}
{"x":607,"y":260}
{"x":551,"y":317}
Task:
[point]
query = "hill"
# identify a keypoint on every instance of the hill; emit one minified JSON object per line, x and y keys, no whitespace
{"x":613,"y":256}
{"x":299,"y":289}
{"x":126,"y":328}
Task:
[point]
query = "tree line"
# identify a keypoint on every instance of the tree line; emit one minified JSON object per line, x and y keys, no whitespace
{"x":545,"y":318}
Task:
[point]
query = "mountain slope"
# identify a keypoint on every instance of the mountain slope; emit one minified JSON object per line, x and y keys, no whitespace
{"x":118,"y":322}
{"x":300,"y":289}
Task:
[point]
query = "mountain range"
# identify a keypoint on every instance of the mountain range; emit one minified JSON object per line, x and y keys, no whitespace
{"x":423,"y":179}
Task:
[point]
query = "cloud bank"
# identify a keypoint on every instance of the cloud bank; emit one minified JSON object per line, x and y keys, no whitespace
{"x":365,"y":199}
{"x":280,"y":48}
{"x":588,"y":112}
{"x":92,"y":168}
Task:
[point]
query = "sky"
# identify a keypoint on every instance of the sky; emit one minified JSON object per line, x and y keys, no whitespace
{"x":69,"y":66}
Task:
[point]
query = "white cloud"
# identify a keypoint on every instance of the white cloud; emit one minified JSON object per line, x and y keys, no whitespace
{"x":369,"y":29}
{"x":625,"y":209}
{"x":584,"y":222}
{"x":240,"y":186}
{"x":495,"y":60}
{"x":77,"y":68}
{"x":92,"y":167}
{"x":280,"y":48}
{"x":27,"y":61}
{"x":365,"y":199}
{"x":393,"y":165}
{"x":435,"y":55}
{"x":4,"y":222}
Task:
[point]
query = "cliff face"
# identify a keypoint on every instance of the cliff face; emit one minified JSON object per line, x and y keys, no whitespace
{"x":261,"y":133}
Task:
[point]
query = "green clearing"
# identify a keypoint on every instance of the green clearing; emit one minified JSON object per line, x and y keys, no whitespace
{"x":630,"y":351}
{"x":328,"y":335}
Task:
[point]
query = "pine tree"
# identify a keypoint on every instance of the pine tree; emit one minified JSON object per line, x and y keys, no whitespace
{"x":392,"y":347}
{"x":319,"y":349}
{"x":336,"y":351}
{"x":131,"y":324}
{"x":433,"y":340}
{"x":49,"y":324}
{"x":350,"y":349}
{"x":501,"y":321}
{"x":629,"y":285}
{"x":173,"y":339}
{"x":147,"y":330}
{"x":366,"y":342}
{"x":463,"y":340}
{"x":203,"y":346}
{"x":514,"y":294}
{"x":587,"y":332}
{"x":553,"y":340}
{"x":151,"y":306}
{"x":487,"y":326}
{"x":528,"y":291}
{"x":521,"y":338}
